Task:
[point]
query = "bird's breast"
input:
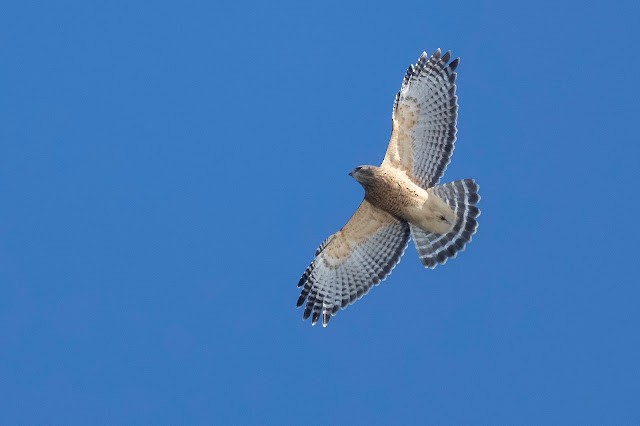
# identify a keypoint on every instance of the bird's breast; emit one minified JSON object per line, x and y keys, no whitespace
{"x":396,"y":194}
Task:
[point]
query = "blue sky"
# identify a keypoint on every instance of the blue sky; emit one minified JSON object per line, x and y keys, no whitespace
{"x":167,"y":170}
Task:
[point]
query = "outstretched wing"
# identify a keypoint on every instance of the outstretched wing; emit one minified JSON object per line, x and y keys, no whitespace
{"x":424,"y":119}
{"x":351,"y":261}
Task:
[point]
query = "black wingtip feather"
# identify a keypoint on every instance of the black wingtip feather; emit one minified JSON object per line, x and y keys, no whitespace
{"x":307,"y":312}
{"x":301,"y":300}
{"x":326,"y":316}
{"x":315,"y":317}
{"x":303,"y":280}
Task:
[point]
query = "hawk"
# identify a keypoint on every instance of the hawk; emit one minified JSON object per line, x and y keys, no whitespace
{"x":402,"y":198}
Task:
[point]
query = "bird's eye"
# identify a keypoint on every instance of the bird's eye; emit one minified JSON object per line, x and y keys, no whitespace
{"x":443,"y":218}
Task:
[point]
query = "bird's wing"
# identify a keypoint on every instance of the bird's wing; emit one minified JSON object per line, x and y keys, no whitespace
{"x":351,"y":261}
{"x":424,"y":119}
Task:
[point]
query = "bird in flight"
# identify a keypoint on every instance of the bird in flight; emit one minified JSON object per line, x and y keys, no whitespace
{"x":402,"y":198}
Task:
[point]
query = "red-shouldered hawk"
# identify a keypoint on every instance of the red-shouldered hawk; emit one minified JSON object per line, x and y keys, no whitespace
{"x":402,"y":198}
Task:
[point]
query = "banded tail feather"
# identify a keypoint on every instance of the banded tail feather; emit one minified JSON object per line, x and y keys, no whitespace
{"x":462,"y":196}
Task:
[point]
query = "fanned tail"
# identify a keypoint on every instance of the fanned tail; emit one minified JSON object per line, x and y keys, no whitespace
{"x":462,"y":196}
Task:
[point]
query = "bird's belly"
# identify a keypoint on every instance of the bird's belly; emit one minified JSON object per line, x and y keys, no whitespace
{"x":398,"y":196}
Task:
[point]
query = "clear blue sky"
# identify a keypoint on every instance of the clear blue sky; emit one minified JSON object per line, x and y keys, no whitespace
{"x":168,"y":168}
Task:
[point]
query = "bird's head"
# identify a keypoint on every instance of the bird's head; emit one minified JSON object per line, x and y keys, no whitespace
{"x":363,"y":174}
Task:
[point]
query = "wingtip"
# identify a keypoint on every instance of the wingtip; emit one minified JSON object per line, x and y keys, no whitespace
{"x":315,"y":317}
{"x":325,"y":319}
{"x":306,"y":313}
{"x":300,"y":301}
{"x":454,"y":64}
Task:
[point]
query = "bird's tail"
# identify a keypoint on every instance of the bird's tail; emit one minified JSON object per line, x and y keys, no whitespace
{"x":462,"y":196}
